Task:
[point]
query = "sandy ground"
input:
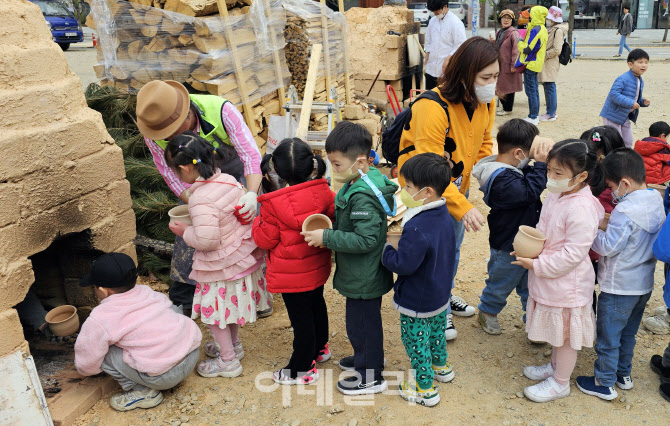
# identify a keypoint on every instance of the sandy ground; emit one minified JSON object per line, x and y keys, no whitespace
{"x":489,"y":382}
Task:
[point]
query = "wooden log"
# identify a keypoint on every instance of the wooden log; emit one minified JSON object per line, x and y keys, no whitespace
{"x":153,"y":16}
{"x":185,"y":39}
{"x":197,"y":85}
{"x":118,"y":72}
{"x":99,"y":70}
{"x":134,"y":49}
{"x":196,"y":7}
{"x":149,"y":30}
{"x":210,"y":43}
{"x":172,"y":27}
{"x":157,"y":44}
{"x":137,"y":16}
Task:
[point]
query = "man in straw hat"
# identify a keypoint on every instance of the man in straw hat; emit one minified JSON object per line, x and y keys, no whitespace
{"x":164,"y":110}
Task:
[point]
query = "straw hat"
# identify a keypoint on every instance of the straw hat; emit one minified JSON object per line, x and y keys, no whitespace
{"x":162,"y":107}
{"x":508,"y":13}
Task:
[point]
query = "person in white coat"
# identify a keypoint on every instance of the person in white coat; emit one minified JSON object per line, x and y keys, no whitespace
{"x":445,"y":34}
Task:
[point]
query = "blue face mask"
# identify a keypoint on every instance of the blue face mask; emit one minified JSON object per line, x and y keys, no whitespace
{"x":616,"y":198}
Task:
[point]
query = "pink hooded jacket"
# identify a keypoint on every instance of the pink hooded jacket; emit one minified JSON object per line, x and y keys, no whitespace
{"x":224,"y":248}
{"x":562,"y":275}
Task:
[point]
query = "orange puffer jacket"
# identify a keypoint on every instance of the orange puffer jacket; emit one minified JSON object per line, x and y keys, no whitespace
{"x":656,"y":155}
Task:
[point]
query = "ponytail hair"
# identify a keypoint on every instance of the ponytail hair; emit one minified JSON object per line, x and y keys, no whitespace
{"x":580,"y":156}
{"x":293,"y":162}
{"x":605,"y":138}
{"x":188,"y":148}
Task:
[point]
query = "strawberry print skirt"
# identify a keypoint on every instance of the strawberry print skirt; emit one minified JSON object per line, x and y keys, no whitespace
{"x":231,"y":302}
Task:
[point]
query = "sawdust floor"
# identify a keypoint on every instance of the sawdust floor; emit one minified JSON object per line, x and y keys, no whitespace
{"x":488,"y":368}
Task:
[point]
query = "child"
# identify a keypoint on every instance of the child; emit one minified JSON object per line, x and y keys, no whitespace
{"x":358,"y":238}
{"x":134,"y":335}
{"x":227,"y":263}
{"x":625,"y":271}
{"x":625,"y":97}
{"x":423,"y":258}
{"x":561,"y":278}
{"x":661,"y":364}
{"x":295,"y":269}
{"x":606,"y":139}
{"x":512,"y":190}
{"x":656,"y":153}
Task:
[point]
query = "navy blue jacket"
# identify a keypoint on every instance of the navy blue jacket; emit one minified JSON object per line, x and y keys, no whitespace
{"x":513,"y":196}
{"x":661,"y":250}
{"x":424,"y":262}
{"x":621,"y":98}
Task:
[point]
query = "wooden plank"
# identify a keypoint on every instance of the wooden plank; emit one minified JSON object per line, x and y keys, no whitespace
{"x":326,"y":48}
{"x":347,"y":70}
{"x":239,"y":73}
{"x":340,"y":5}
{"x":308,"y":97}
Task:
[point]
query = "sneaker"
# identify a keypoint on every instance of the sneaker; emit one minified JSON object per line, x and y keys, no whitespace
{"x":660,"y":310}
{"x":354,"y":386}
{"x":324,"y":354}
{"x":502,"y":112}
{"x":547,"y":117}
{"x":547,"y":390}
{"x":657,"y":367}
{"x":489,"y":323}
{"x":533,"y":121}
{"x":624,"y":382}
{"x":460,"y":308}
{"x":664,"y":390}
{"x":412,"y":393}
{"x":265,"y":313}
{"x":283,"y":377}
{"x":450,"y":333}
{"x":539,"y":372}
{"x":587,"y":384}
{"x":444,"y":374}
{"x":132,"y":399}
{"x":216,"y":367}
{"x":212,"y":350}
{"x":658,"y":324}
{"x":347,"y":363}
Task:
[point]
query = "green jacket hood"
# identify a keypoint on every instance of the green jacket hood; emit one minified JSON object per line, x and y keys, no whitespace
{"x":381,"y":182}
{"x":538,"y":14}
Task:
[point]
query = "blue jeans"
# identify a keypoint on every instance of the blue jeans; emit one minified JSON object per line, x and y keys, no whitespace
{"x":550,"y":97}
{"x":459,"y":233}
{"x":622,"y":44}
{"x":532,"y":92}
{"x":503,"y":279}
{"x":618,"y":320}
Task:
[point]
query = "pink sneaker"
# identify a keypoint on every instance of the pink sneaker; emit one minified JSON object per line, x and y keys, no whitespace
{"x":547,"y":117}
{"x":324,"y":354}
{"x":216,"y":367}
{"x":281,"y":377}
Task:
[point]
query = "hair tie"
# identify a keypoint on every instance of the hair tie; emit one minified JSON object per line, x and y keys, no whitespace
{"x":196,"y":161}
{"x":596,"y":137}
{"x":179,"y":147}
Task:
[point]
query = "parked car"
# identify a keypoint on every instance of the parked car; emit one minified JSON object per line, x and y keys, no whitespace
{"x":460,"y":10}
{"x":61,"y":22}
{"x":421,"y":13}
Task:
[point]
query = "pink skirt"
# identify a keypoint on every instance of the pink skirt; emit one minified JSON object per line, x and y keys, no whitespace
{"x":558,"y":325}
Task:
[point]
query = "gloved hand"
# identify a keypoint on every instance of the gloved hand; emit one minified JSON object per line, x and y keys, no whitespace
{"x":527,"y":51}
{"x":246,"y":210}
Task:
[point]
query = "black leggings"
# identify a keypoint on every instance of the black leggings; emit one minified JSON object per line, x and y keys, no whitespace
{"x":431,"y":82}
{"x":508,"y":102}
{"x":309,"y":319}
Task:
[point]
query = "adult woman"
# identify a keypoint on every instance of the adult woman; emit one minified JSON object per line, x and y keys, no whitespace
{"x":509,"y":81}
{"x":625,"y":29}
{"x":557,"y":30}
{"x":468,"y":88}
{"x":164,"y":110}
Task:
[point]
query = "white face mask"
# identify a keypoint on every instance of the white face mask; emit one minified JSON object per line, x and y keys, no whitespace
{"x":523,"y":163}
{"x":616,"y":198}
{"x":558,"y":186}
{"x":486,"y":93}
{"x":548,"y":23}
{"x":441,"y":15}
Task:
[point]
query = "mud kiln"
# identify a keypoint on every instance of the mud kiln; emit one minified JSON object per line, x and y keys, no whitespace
{"x":63,"y":195}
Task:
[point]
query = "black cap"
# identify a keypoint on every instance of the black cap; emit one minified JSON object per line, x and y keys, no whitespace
{"x":111,"y":270}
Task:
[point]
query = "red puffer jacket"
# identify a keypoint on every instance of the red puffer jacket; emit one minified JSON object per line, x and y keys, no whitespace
{"x":656,"y":154}
{"x":292,"y":265}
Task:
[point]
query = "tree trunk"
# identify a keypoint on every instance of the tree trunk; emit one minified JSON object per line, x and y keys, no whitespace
{"x":571,"y":20}
{"x":667,"y":27}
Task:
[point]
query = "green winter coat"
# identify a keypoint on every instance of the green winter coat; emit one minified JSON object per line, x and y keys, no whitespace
{"x":358,"y":237}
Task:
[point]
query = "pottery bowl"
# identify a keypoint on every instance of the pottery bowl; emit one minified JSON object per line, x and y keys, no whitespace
{"x":63,"y":320}
{"x":181,"y":214}
{"x":316,"y":221}
{"x":528,"y":242}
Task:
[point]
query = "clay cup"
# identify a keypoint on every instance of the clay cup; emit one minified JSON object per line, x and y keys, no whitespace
{"x":63,"y":320}
{"x":537,"y":142}
{"x":316,"y":221}
{"x":528,"y":242}
{"x":394,"y":238}
{"x":181,"y":214}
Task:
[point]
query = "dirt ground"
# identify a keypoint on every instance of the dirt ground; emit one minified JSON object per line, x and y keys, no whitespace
{"x":489,"y":382}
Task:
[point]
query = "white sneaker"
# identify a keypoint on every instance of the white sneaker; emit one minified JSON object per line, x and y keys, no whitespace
{"x":502,"y":112}
{"x":132,"y":399}
{"x":460,"y":308}
{"x":539,"y":372}
{"x":547,"y":390}
{"x":450,"y":333}
{"x":533,"y":121}
{"x":658,"y":324}
{"x":660,"y":310}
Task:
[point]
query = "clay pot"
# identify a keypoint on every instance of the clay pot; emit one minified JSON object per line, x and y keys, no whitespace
{"x":63,"y":320}
{"x":181,"y":214}
{"x":539,"y":141}
{"x":528,"y":242}
{"x":394,"y":238}
{"x":316,"y":221}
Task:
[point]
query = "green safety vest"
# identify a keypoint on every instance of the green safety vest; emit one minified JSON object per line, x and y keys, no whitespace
{"x":208,"y":110}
